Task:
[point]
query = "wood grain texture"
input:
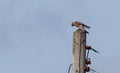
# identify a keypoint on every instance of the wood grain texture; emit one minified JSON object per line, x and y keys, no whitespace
{"x":79,"y":52}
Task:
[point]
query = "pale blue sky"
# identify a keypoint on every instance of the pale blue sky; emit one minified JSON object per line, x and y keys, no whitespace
{"x":36,"y":35}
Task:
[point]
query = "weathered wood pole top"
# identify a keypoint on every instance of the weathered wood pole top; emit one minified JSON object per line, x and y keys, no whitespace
{"x":79,"y":52}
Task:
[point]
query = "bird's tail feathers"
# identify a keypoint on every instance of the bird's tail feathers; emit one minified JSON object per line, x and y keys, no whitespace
{"x":88,"y":27}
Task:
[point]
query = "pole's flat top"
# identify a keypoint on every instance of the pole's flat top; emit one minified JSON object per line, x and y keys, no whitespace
{"x":79,"y":30}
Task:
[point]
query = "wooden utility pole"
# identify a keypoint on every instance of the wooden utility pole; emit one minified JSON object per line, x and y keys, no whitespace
{"x":79,"y":51}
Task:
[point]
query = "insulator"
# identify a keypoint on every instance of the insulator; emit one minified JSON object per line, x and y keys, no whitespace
{"x":88,"y":47}
{"x":88,"y":61}
{"x":87,"y":69}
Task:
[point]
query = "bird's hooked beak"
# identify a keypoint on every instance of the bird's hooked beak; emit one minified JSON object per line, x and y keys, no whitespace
{"x":72,"y":23}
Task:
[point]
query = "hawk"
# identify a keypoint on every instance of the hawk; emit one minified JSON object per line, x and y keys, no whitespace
{"x":80,"y":25}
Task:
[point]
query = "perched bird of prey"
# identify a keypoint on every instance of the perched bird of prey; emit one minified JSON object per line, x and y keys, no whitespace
{"x":80,"y":25}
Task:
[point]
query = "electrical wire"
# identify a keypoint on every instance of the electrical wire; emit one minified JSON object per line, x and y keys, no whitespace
{"x":87,"y":54}
{"x":94,"y":71}
{"x":69,"y":68}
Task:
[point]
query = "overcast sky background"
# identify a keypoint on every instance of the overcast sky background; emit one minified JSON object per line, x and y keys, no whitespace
{"x":36,"y":35}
